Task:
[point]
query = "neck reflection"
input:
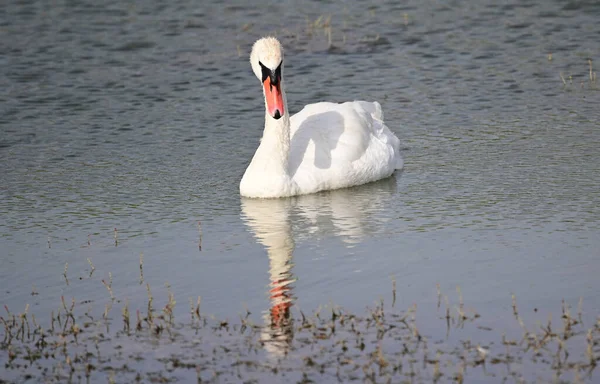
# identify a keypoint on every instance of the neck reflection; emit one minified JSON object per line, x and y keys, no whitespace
{"x":269,"y":220}
{"x":348,"y":214}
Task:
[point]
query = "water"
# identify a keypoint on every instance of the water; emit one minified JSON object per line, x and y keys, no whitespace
{"x":143,"y":118}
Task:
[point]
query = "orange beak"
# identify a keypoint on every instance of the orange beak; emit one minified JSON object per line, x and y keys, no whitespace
{"x":274,"y":98}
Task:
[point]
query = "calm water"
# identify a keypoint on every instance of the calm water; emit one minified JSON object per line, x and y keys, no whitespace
{"x":143,"y":118}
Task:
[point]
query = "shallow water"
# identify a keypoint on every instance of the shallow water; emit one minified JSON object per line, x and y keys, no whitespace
{"x":142,"y":118}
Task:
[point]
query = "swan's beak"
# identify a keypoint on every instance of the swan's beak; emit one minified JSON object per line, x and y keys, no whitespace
{"x":274,"y":97}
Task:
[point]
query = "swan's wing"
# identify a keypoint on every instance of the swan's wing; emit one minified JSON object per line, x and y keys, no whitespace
{"x":326,"y":133}
{"x":338,"y":144}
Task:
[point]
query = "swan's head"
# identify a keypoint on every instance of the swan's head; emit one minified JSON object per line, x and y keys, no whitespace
{"x":267,"y":63}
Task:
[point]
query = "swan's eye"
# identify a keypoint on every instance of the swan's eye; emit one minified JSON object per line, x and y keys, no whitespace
{"x":275,"y":75}
{"x":266,"y":72}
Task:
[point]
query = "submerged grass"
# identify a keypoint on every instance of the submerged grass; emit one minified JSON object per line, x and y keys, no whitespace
{"x":324,"y":33}
{"x":592,"y":76}
{"x":331,"y":345}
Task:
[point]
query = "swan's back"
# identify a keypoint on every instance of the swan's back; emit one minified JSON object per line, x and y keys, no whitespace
{"x":341,"y":145}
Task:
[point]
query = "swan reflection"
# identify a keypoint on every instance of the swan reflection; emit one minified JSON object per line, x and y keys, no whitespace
{"x":348,"y":214}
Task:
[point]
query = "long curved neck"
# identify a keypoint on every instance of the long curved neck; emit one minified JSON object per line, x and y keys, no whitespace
{"x":274,"y":149}
{"x":268,"y":174}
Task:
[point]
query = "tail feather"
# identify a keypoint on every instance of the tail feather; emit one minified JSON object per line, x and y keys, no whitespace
{"x":384,"y":133}
{"x":374,"y":108}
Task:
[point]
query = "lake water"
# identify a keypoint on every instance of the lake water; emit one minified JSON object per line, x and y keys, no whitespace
{"x":124,"y":125}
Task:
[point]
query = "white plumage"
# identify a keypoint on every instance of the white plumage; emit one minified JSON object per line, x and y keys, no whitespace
{"x":324,"y":146}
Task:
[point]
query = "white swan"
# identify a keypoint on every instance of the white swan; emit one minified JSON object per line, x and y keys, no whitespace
{"x":324,"y":146}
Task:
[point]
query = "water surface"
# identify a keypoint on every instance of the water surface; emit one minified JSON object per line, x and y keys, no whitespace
{"x":142,"y":118}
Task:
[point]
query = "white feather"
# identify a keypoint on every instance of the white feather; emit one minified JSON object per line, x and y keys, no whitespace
{"x":324,"y":146}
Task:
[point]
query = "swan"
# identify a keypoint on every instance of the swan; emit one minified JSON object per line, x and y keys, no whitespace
{"x":325,"y":146}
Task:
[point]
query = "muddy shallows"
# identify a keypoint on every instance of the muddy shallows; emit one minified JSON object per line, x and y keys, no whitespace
{"x":124,"y":342}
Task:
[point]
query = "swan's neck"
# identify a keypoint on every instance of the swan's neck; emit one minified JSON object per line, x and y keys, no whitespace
{"x":272,"y":154}
{"x":267,"y":175}
{"x":274,"y":146}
